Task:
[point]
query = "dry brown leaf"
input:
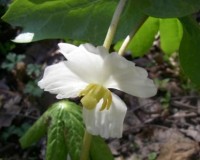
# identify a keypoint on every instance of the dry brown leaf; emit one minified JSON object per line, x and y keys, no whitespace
{"x":9,"y":111}
{"x":178,"y":147}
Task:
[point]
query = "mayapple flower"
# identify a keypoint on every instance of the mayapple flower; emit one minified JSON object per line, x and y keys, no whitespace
{"x":89,"y":72}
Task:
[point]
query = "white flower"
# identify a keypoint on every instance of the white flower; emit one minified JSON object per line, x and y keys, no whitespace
{"x":89,"y":71}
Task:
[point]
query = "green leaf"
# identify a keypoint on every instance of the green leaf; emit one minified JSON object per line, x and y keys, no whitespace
{"x":131,"y":20}
{"x":56,"y":142}
{"x":64,"y":126}
{"x":86,"y":20}
{"x":170,"y":35}
{"x":65,"y":134}
{"x":169,"y":8}
{"x":99,"y":149}
{"x":35,"y":132}
{"x":190,"y":49}
{"x":143,"y":39}
{"x":75,"y":132}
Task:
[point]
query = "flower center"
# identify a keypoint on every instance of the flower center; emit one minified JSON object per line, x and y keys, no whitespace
{"x":93,"y":93}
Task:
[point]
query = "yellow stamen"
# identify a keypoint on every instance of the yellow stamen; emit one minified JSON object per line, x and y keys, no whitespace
{"x":93,"y":93}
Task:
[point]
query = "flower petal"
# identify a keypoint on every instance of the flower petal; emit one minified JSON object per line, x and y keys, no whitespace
{"x":128,"y":78}
{"x":86,"y":60}
{"x":25,"y":37}
{"x":106,"y":123}
{"x":66,"y":48}
{"x":60,"y":80}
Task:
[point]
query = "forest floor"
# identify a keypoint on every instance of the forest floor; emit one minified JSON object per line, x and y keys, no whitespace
{"x":164,"y":127}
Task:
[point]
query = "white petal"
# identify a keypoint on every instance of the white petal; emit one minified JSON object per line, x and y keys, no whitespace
{"x":106,"y":123}
{"x":24,"y":37}
{"x":60,"y":80}
{"x":128,"y":78}
{"x":87,"y":60}
{"x":66,"y":48}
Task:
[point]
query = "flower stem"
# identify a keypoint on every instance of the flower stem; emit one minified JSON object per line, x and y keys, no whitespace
{"x":113,"y":25}
{"x":86,"y":146}
{"x":130,"y":36}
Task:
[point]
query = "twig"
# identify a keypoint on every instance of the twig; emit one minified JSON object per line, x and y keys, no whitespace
{"x":184,"y":106}
{"x":18,"y":114}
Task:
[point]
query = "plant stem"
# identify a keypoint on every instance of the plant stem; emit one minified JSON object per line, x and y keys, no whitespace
{"x":107,"y":43}
{"x":113,"y":25}
{"x":130,"y":36}
{"x":86,"y":146}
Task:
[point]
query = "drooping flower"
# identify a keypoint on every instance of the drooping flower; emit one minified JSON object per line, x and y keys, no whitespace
{"x":89,"y":72}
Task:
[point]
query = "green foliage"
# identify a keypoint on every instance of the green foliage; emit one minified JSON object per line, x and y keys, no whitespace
{"x":189,"y":49}
{"x":6,"y":47}
{"x":152,"y":156}
{"x":170,"y":34}
{"x":76,"y":19}
{"x":170,"y":30}
{"x":32,"y":88}
{"x":63,"y":124}
{"x":33,"y":70}
{"x":82,"y":20}
{"x":169,"y":8}
{"x":35,"y":132}
{"x":11,"y":60}
{"x":143,"y":39}
{"x":165,"y":100}
{"x":14,"y":130}
{"x":64,"y":127}
{"x":100,"y":150}
{"x":88,"y":19}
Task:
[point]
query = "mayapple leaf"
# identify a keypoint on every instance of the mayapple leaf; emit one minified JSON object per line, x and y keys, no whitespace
{"x":170,"y":30}
{"x":86,"y":20}
{"x":143,"y":39}
{"x":170,"y":34}
{"x":56,"y":142}
{"x":169,"y":8}
{"x":75,"y":132}
{"x":35,"y":132}
{"x":63,"y":124}
{"x":99,"y":150}
{"x":65,"y":134}
{"x":189,"y":49}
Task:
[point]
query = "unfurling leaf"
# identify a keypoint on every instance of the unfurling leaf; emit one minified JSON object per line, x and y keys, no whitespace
{"x":64,"y":127}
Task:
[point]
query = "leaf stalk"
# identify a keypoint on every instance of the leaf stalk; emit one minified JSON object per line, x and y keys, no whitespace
{"x":130,"y":37}
{"x":113,"y":25}
{"x":86,"y":146}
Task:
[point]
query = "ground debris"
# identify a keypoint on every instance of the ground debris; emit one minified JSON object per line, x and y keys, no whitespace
{"x":178,"y":147}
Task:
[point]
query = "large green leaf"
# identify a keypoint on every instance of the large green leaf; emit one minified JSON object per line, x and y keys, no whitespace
{"x":99,"y":150}
{"x":169,"y":8}
{"x":190,"y":49}
{"x":170,"y":34}
{"x":64,"y":126}
{"x":76,"y":19}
